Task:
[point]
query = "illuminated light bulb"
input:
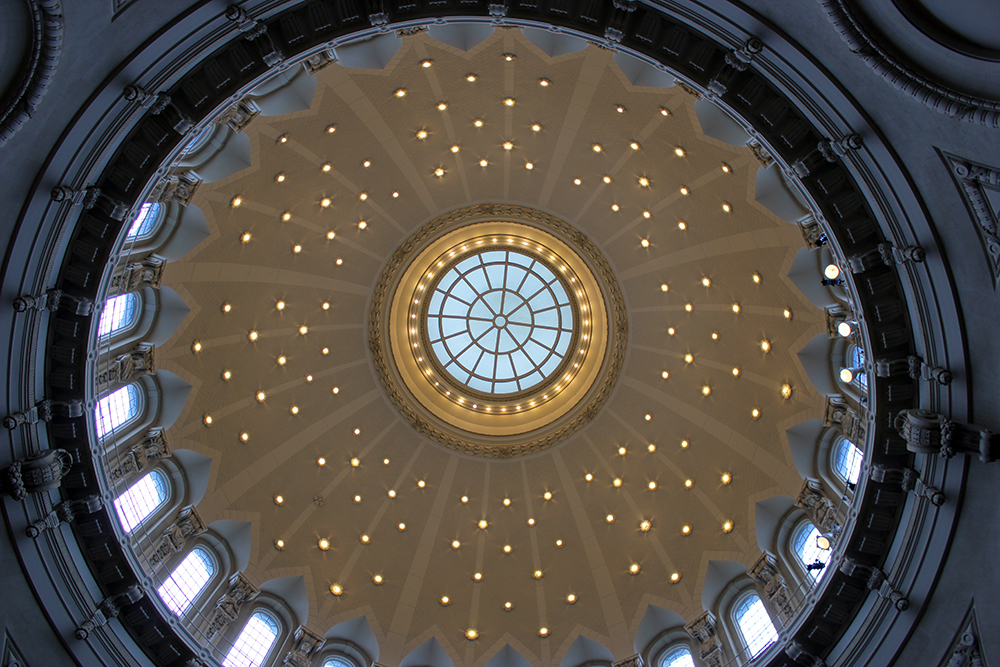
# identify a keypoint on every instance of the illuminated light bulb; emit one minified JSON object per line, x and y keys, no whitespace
{"x":471,"y":634}
{"x":706,"y":390}
{"x":400,"y":92}
{"x":823,"y":543}
{"x":787,"y":313}
{"x":365,"y":539}
{"x":684,"y":444}
{"x":401,"y":527}
{"x":391,"y":493}
{"x":606,"y":179}
{"x":484,"y":162}
{"x":395,"y":194}
{"x":196,"y":346}
{"x":227,"y":307}
{"x":684,"y":191}
{"x":715,"y":335}
{"x":736,"y":371}
{"x":283,"y":139}
{"x":339,"y":261}
{"x":445,"y":601}
{"x":506,"y":502}
{"x":688,"y":483}
{"x":337,"y":589}
{"x":644,"y":243}
{"x":377,"y":580}
{"x":279,"y":544}
{"x":282,"y":360}
{"x":765,"y":345}
{"x":245,"y":238}
{"x":544,"y":83}
{"x":786,"y":391}
{"x":675,"y":577}
{"x":362,"y":224}
{"x":664,"y":111}
{"x":227,"y":375}
{"x":616,"y":482}
{"x":357,"y":499}
{"x":483,"y":524}
{"x":547,"y":495}
{"x":441,"y":106}
{"x":325,"y":305}
{"x":570,"y":599}
{"x":355,"y":462}
{"x":385,"y":462}
{"x":726,"y":478}
{"x":478,"y":576}
{"x":335,"y":390}
{"x":620,"y":109}
{"x":688,"y":358}
{"x":844,"y":329}
{"x":426,"y":63}
{"x":244,"y":437}
{"x":686,"y":530}
{"x":321,"y":462}
{"x":634,"y":568}
{"x":330,"y":129}
{"x":634,"y":145}
{"x":665,"y":375}
{"x":648,"y":417}
{"x":726,"y":208}
{"x":294,"y":409}
{"x":296,"y":248}
{"x":506,"y":548}
{"x":464,"y":499}
{"x":726,"y":168}
{"x":536,"y":128}
{"x":303,"y":330}
{"x":756,"y":278}
{"x":279,"y":178}
{"x":509,"y":57}
{"x":679,"y":152}
{"x":508,"y":145}
{"x":737,"y":308}
{"x":577,"y":181}
{"x":478,"y":122}
{"x":207,"y":419}
{"x":682,"y":225}
{"x":755,"y":413}
{"x":470,"y":77}
{"x":597,"y":148}
{"x":589,"y":477}
{"x":610,"y":518}
{"x":363,"y":196}
{"x":727,"y":526}
{"x":421,"y":134}
{"x":326,"y":167}
{"x":832,"y":271}
{"x":647,"y":214}
{"x":286,"y":216}
{"x":543,"y":632}
{"x":651,"y":485}
{"x":846,"y":375}
{"x":421,"y":483}
{"x":531,"y":522}
{"x":664,"y":287}
{"x":261,"y":396}
{"x":529,"y":165}
{"x":324,"y":544}
{"x":645,"y":525}
{"x":622,"y":451}
{"x":537,"y":574}
{"x":689,"y":307}
{"x":325,"y":202}
{"x":236,"y":201}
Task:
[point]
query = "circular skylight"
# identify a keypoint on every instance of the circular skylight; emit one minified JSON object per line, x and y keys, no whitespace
{"x":500,"y":321}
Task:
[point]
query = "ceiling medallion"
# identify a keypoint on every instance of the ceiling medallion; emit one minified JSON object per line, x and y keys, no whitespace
{"x":497,"y":330}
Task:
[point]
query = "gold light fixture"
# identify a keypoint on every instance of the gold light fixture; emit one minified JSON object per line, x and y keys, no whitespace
{"x":337,"y":589}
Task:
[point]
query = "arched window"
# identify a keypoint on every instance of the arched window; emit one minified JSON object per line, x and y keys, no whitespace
{"x":119,"y":313}
{"x":141,"y":499}
{"x":857,"y":360}
{"x":143,"y":224}
{"x":337,"y":661}
{"x":187,"y":580}
{"x":255,"y":641}
{"x":754,"y":624}
{"x":117,"y":409}
{"x":847,"y":460}
{"x":807,"y":551}
{"x":199,"y":141}
{"x":678,"y":656}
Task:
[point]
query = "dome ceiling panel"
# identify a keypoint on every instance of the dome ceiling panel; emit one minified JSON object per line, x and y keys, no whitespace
{"x":418,"y":564}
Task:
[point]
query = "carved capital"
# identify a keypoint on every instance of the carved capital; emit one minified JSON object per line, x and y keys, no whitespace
{"x":108,"y":609}
{"x":129,"y":366}
{"x":136,"y":275}
{"x":179,"y":188}
{"x":929,"y":433}
{"x":37,"y":473}
{"x":305,"y":645}
{"x":839,"y":413}
{"x":227,"y":609}
{"x":240,"y":114}
{"x":820,"y":509}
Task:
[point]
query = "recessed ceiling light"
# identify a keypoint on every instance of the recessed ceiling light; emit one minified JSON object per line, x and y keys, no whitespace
{"x":227,"y":307}
{"x":483,"y":524}
{"x":652,"y":485}
{"x":547,"y":495}
{"x":244,"y":436}
{"x":726,"y":168}
{"x":377,"y":580}
{"x":536,"y":128}
{"x":679,"y":152}
{"x":471,"y":634}
{"x":363,"y":196}
{"x":544,"y":83}
{"x":441,"y":106}
{"x":366,"y":164}
{"x":470,"y":77}
{"x":445,"y":600}
{"x":335,"y":390}
{"x":261,"y":397}
{"x":570,"y":599}
{"x":645,"y":525}
{"x":684,"y":191}
{"x":531,"y":521}
{"x":426,"y":63}
{"x":681,"y":225}
{"x":196,"y":346}
{"x":589,"y":477}
{"x":327,"y":167}
{"x":297,"y":248}
{"x":537,"y":574}
{"x":245,"y":238}
{"x":303,"y":330}
{"x":478,"y":122}
{"x":726,"y":208}
{"x":736,"y":371}
{"x":401,"y":527}
{"x":577,"y":181}
{"x":509,"y":57}
{"x":207,"y":419}
{"x":509,"y":101}
{"x":688,"y":483}
{"x":786,"y":391}
{"x":664,"y":111}
{"x":365,"y":539}
{"x":507,"y":548}
{"x":634,"y":145}
{"x":648,"y":417}
{"x":727,"y":478}
{"x":279,"y":544}
{"x":620,"y":108}
{"x":294,"y":409}
{"x":253,"y":335}
{"x":400,"y":92}
{"x":543,"y":632}
{"x":236,"y":201}
{"x":597,"y":148}
{"x":634,"y":568}
{"x":279,"y":178}
{"x":484,"y":162}
{"x":651,"y":447}
{"x":622,"y":451}
{"x":362,"y":224}
{"x":706,"y":390}
{"x":478,"y":576}
{"x":325,"y":202}
{"x":727,"y":526}
{"x":644,"y":182}
{"x":610,"y":518}
{"x":321,"y":462}
{"x":508,"y":145}
{"x":665,"y":375}
{"x":455,"y":544}
{"x":337,"y":589}
{"x":688,"y":358}
{"x":286,"y":216}
{"x":559,"y":543}
{"x":330,"y":129}
{"x":339,"y":261}
{"x":385,"y":462}
{"x":606,"y":179}
{"x":616,"y":482}
{"x":644,"y":243}
{"x":529,"y":165}
{"x":684,"y":444}
{"x":675,"y":577}
{"x":756,"y":278}
{"x":689,"y":307}
{"x":282,"y":359}
{"x":357,"y":499}
{"x":309,"y":378}
{"x":464,"y":499}
{"x":323,"y":543}
{"x":765,"y":345}
{"x":421,"y":134}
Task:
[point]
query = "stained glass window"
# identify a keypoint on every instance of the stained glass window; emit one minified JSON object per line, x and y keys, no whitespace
{"x":677,"y":657}
{"x":847,"y":461}
{"x":141,"y":499}
{"x":119,"y":313}
{"x":805,"y":548}
{"x":117,"y":409}
{"x":187,"y":580}
{"x":255,"y":641}
{"x":755,"y":625}
{"x":500,"y":321}
{"x":144,"y":222}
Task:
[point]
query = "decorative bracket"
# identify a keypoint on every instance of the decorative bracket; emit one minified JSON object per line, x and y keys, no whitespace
{"x":253,"y":30}
{"x":878,"y":581}
{"x":44,"y":411}
{"x":830,"y":150}
{"x":136,"y":275}
{"x":108,"y":609}
{"x":909,"y":480}
{"x":53,"y":300}
{"x":737,"y":61}
{"x":38,"y":473}
{"x":64,"y":512}
{"x":702,"y":630}
{"x":158,"y":103}
{"x":928,"y":433}
{"x":179,"y":188}
{"x":90,"y":196}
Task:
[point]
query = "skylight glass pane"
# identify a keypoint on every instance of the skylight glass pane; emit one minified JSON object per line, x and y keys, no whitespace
{"x":678,"y":657}
{"x":116,"y":409}
{"x":755,"y":625}
{"x":499,"y":321}
{"x":185,"y":582}
{"x":848,"y":461}
{"x":118,"y":313}
{"x":806,"y":549}
{"x":141,"y":499}
{"x":144,"y":222}
{"x":254,"y":643}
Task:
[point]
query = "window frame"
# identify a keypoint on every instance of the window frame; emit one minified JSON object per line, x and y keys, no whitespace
{"x":346,"y":660}
{"x":121,"y":429}
{"x":805,"y":525}
{"x":150,"y":512}
{"x":734,"y":609}
{"x":279,"y":629}
{"x":673,"y":651}
{"x":156,"y":210}
{"x":214,"y":569}
{"x":856,"y":357}
{"x":134,"y":317}
{"x":839,"y":445}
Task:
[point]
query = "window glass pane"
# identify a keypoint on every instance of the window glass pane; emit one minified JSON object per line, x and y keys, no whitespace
{"x":254,"y":643}
{"x":334,"y":661}
{"x":141,"y":500}
{"x":678,"y":657}
{"x":755,"y":625}
{"x":116,"y":409}
{"x":858,"y":361}
{"x":804,"y":545}
{"x":199,"y":141}
{"x":118,"y":313}
{"x":144,"y":222}
{"x":185,"y":582}
{"x":848,"y":460}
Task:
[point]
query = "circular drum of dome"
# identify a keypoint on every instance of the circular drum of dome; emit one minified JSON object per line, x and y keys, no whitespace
{"x":498,"y":330}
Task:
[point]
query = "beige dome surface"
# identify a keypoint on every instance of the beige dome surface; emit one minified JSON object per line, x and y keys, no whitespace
{"x":325,"y":400}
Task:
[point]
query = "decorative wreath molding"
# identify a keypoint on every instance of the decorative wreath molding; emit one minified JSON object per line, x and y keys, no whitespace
{"x":379,"y":346}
